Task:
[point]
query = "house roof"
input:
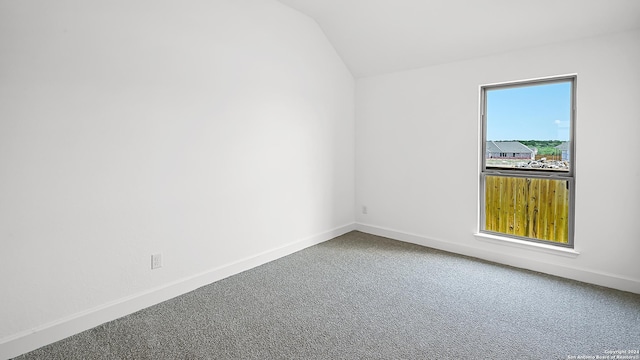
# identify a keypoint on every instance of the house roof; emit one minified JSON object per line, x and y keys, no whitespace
{"x":507,"y":147}
{"x":563,"y":146}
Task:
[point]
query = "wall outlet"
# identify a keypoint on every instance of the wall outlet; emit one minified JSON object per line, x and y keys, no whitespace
{"x":364,"y":210}
{"x":156,"y":261}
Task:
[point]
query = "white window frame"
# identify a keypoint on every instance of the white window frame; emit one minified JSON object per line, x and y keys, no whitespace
{"x":568,"y":176}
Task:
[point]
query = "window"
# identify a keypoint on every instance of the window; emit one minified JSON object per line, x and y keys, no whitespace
{"x":527,"y":174}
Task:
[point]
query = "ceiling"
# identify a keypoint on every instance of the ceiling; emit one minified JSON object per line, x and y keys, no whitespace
{"x":381,"y":36}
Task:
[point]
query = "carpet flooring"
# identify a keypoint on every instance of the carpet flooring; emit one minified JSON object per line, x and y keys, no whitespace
{"x":361,"y":296}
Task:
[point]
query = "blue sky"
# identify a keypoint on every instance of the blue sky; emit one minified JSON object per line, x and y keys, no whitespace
{"x":540,"y":112}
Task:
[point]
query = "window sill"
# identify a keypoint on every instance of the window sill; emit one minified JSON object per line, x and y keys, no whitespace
{"x":522,"y":244}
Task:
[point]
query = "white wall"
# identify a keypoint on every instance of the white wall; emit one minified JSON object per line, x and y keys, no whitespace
{"x":215,"y":132}
{"x":417,"y":143}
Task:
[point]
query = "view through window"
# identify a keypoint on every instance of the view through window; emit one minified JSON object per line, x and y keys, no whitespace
{"x":527,"y":161}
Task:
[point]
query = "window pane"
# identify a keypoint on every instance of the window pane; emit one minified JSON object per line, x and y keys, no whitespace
{"x":527,"y":207}
{"x":529,"y":127}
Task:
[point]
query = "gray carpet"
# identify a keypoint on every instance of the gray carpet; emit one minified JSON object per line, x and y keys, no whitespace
{"x":361,"y":296}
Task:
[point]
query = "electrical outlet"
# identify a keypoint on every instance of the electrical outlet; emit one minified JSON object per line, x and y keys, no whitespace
{"x":156,"y":261}
{"x":364,"y":210}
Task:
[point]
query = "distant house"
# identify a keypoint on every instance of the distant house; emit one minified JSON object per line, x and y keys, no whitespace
{"x":508,"y":150}
{"x":564,"y":149}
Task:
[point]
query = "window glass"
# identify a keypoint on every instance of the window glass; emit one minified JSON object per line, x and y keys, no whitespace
{"x":535,"y":208}
{"x":527,"y":174}
{"x":529,"y":127}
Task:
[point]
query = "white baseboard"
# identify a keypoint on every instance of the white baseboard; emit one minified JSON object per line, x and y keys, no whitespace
{"x":32,"y":339}
{"x":580,"y":274}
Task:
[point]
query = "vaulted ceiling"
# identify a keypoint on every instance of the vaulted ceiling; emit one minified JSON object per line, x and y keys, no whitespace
{"x":381,"y":36}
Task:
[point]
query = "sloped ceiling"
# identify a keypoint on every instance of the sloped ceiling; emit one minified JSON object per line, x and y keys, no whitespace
{"x":381,"y":36}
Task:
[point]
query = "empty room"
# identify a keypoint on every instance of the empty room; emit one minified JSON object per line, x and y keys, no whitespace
{"x":319,"y":179}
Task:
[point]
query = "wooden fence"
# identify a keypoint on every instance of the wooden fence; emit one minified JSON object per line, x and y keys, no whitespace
{"x":530,"y":207}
